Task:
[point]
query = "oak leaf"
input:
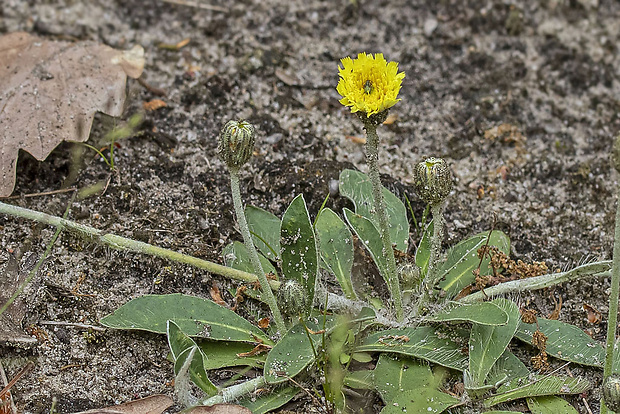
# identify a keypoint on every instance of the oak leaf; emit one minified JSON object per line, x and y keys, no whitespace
{"x":50,"y":91}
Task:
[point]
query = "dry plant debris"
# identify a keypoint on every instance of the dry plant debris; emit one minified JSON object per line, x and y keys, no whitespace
{"x":50,"y":92}
{"x":154,"y":404}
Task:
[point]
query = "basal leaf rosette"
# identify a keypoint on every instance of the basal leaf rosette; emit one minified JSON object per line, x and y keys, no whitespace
{"x":369,"y":84}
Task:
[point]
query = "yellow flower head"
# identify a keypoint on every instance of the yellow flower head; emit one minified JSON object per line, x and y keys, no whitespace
{"x":369,"y":83}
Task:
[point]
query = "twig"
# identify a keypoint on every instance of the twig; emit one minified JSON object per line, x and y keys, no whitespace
{"x":155,"y":91}
{"x":197,"y":4}
{"x":74,"y":324}
{"x":16,"y":378}
{"x":45,"y":193}
{"x":598,"y":269}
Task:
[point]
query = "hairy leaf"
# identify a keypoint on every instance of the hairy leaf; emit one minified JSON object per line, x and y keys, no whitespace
{"x":423,"y":252}
{"x":336,"y":247}
{"x":488,"y":343}
{"x":422,"y":342}
{"x":370,"y":237}
{"x":456,"y":272}
{"x":420,"y":400}
{"x":540,"y":386}
{"x":50,"y":91}
{"x":270,"y":401}
{"x":292,"y":354}
{"x":184,"y":347}
{"x":222,"y":354}
{"x":265,"y":228}
{"x":237,"y":256}
{"x":566,"y":342}
{"x":194,"y":316}
{"x":394,"y":376}
{"x":356,"y":186}
{"x":299,"y":250}
{"x":486,"y":313}
{"x":363,"y":380}
{"x":550,"y":405}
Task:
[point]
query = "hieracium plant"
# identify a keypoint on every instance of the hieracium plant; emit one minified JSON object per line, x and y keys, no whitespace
{"x":455,"y":318}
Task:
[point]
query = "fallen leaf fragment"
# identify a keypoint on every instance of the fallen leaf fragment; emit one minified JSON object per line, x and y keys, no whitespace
{"x":216,"y":296}
{"x":174,"y":46}
{"x":257,"y":350}
{"x":263,"y":323}
{"x":220,"y":409}
{"x":154,"y":104}
{"x":356,"y":140}
{"x":50,"y":91}
{"x":154,"y":404}
{"x":594,"y":315}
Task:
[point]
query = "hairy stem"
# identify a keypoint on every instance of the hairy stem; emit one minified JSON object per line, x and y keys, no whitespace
{"x":372,"y":156}
{"x":125,"y":244}
{"x":268,"y":296}
{"x":236,"y":391}
{"x":612,"y":319}
{"x":597,"y":269}
{"x":429,"y":282}
{"x":436,"y":240}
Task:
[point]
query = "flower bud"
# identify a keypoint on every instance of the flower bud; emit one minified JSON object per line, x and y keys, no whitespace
{"x":236,"y":143}
{"x":433,"y":180}
{"x":410,"y":275}
{"x":611,"y":392}
{"x":292,"y":298}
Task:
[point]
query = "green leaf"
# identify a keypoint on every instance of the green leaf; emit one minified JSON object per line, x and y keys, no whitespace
{"x":299,"y":250}
{"x":356,"y":186}
{"x":221,"y":354}
{"x":483,"y":313}
{"x":566,"y":342}
{"x":423,"y":252}
{"x":265,"y":228}
{"x":545,"y":385}
{"x":394,"y":376}
{"x":362,"y":380}
{"x":420,"y":400}
{"x":507,"y":367}
{"x":550,"y":405}
{"x":370,"y":237}
{"x":488,"y":343}
{"x":269,"y":401}
{"x":181,"y":347}
{"x":336,"y":247}
{"x":500,"y":412}
{"x":456,"y":272}
{"x":292,"y":354}
{"x":422,"y":342}
{"x":237,"y":256}
{"x":195,"y":316}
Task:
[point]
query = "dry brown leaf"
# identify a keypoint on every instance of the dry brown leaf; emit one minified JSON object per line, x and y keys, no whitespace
{"x":153,"y":104}
{"x":216,"y":295}
{"x":50,"y":92}
{"x":257,"y":350}
{"x":263,"y":323}
{"x":154,"y":404}
{"x":594,"y":315}
{"x":220,"y":409}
